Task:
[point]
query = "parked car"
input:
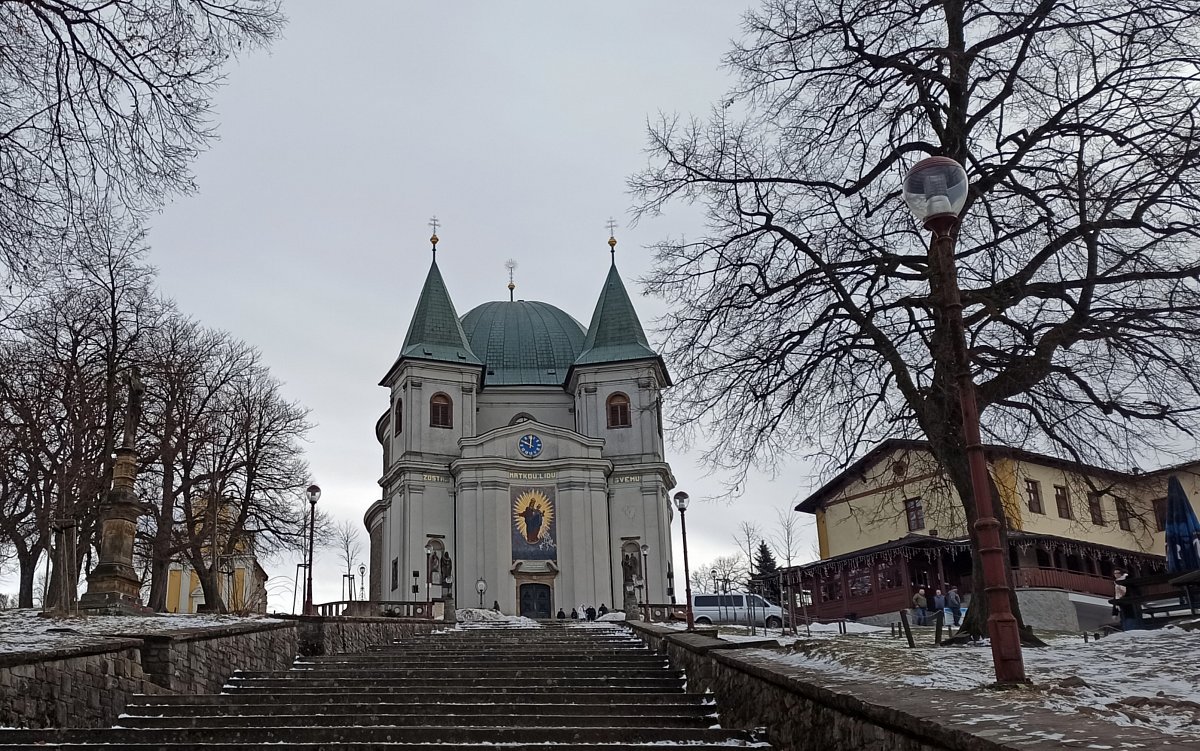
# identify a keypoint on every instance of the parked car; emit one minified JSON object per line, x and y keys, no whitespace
{"x":735,"y":608}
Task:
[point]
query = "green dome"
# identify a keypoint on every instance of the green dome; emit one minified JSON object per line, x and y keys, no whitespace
{"x":523,"y":343}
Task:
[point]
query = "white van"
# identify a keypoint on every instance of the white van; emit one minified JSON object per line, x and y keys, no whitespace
{"x":735,"y":608}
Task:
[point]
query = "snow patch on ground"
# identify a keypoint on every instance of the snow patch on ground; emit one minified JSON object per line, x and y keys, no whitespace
{"x":25,"y":630}
{"x":1147,"y":679}
{"x":478,"y":617}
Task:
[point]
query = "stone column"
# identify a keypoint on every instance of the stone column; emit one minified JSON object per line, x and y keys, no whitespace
{"x":113,"y":586}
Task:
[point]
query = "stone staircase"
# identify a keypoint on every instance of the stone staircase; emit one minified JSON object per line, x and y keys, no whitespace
{"x":559,"y":686}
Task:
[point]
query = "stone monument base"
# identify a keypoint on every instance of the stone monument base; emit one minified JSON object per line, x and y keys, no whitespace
{"x":111,"y":603}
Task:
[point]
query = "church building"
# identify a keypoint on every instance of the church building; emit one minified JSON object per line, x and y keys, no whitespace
{"x":530,"y":449}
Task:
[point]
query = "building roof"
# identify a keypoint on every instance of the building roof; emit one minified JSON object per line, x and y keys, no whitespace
{"x":857,"y":469}
{"x":615,"y":334}
{"x":523,"y":343}
{"x":435,"y":332}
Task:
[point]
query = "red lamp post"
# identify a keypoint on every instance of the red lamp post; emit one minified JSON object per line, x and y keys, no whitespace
{"x":936,"y":191}
{"x":681,"y":503}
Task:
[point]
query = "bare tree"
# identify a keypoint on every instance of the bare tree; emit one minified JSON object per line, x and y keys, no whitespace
{"x":349,"y":549}
{"x":114,"y":96}
{"x":747,"y":539}
{"x":805,"y":319}
{"x":786,"y":537}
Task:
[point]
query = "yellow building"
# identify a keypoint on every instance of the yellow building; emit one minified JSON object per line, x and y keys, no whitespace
{"x":242,"y":582}
{"x":891,"y":523}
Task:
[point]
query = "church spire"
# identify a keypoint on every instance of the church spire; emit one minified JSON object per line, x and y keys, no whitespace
{"x":615,"y":334}
{"x":435,"y":332}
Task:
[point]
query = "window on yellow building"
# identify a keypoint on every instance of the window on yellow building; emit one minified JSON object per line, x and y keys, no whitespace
{"x":1033,"y":489}
{"x":1063,"y":501}
{"x":1160,"y":513}
{"x":1096,"y":509}
{"x":1124,"y":515}
{"x":915,"y":514}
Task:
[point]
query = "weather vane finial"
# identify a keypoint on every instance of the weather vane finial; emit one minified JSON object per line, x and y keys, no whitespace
{"x":510,"y":264}
{"x":612,"y":238}
{"x":434,"y":223}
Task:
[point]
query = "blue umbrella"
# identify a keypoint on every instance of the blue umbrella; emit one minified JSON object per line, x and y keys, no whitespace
{"x":1183,"y":530}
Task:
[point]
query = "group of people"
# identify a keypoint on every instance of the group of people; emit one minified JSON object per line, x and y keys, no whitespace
{"x":925,"y":609}
{"x":590,"y":613}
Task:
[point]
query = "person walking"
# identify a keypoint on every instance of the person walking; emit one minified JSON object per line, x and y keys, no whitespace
{"x":954,"y":603}
{"x":919,"y":606}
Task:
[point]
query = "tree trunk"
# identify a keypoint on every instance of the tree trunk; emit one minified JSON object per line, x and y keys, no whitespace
{"x":27,"y":573}
{"x":212,"y":594}
{"x":974,"y":625}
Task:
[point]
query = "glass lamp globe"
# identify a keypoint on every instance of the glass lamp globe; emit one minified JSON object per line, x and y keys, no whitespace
{"x":681,"y":501}
{"x":314,"y":494}
{"x":481,"y":585}
{"x":935,"y":187}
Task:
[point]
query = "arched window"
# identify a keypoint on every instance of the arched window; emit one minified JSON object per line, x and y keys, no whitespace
{"x":440,"y":412}
{"x":399,"y":418}
{"x":520,"y":417}
{"x":618,"y":411}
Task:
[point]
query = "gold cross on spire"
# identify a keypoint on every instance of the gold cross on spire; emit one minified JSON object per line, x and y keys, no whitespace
{"x":612,"y":238}
{"x":511,"y":265}
{"x":434,"y":223}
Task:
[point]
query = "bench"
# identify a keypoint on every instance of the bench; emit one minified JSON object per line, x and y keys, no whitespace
{"x":1153,"y":601}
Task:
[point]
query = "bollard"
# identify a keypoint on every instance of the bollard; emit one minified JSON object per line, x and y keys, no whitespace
{"x":907,"y":630}
{"x":937,"y":632}
{"x":1085,"y":637}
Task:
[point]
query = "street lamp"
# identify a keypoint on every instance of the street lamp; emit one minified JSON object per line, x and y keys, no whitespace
{"x":428,"y":571}
{"x":314,"y":494}
{"x":362,"y":581}
{"x":645,"y":571}
{"x":481,"y":587}
{"x":681,"y":503}
{"x":935,"y":189}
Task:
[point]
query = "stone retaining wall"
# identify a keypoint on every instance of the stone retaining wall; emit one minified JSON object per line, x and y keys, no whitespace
{"x":201,"y":661}
{"x":331,"y":636}
{"x":86,"y":686}
{"x":802,"y":709}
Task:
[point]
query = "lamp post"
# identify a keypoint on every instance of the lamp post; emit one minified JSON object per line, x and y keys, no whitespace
{"x":314,"y":494}
{"x":428,"y":572}
{"x":481,"y":587}
{"x":362,"y":581}
{"x":681,"y":503}
{"x":645,"y":570}
{"x":935,"y":189}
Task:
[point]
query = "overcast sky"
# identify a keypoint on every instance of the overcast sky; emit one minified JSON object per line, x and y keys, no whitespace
{"x":517,"y":124}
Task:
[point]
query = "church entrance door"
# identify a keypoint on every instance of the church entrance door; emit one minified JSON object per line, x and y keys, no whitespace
{"x":535,"y":600}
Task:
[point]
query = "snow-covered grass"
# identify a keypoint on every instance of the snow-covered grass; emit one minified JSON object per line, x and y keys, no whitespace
{"x":1141,"y":678}
{"x":27,"y":631}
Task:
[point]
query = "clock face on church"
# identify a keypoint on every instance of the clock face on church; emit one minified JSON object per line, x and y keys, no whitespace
{"x":529,"y":445}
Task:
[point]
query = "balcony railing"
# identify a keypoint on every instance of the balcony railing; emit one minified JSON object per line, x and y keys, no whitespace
{"x":376,"y":609}
{"x":1072,"y":581}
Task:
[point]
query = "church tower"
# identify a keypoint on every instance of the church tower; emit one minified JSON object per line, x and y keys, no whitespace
{"x":433,"y":389}
{"x":617,"y":383}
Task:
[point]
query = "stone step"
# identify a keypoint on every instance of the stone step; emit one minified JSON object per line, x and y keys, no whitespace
{"x":491,"y":736}
{"x":416,"y":696}
{"x":401,"y":672}
{"x":499,"y":659}
{"x":514,"y":719}
{"x":596,"y":707}
{"x":352,"y":745}
{"x":556,"y":682}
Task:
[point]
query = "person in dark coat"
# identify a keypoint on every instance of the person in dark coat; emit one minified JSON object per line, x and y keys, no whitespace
{"x":603,"y":609}
{"x":561,"y":615}
{"x":591,"y":613}
{"x":954,"y":602}
{"x":574,"y":614}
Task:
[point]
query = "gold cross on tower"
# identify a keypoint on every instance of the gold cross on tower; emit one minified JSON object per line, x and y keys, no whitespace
{"x":434,"y":223}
